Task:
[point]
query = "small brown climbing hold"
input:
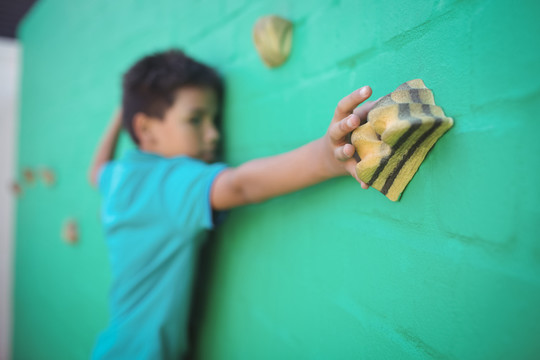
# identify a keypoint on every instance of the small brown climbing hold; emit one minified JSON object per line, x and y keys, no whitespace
{"x":29,"y":176}
{"x":16,"y":188}
{"x":273,"y":39}
{"x":48,"y":177}
{"x":70,"y":232}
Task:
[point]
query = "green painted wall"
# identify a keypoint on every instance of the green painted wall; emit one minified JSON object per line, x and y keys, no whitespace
{"x":452,"y":271}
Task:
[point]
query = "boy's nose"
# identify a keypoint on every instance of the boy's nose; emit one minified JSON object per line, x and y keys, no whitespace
{"x":213,"y":134}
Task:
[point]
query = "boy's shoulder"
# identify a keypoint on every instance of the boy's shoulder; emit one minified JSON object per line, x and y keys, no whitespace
{"x":152,"y":185}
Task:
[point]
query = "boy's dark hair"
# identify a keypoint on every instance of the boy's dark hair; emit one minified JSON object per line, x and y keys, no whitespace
{"x":150,"y":85}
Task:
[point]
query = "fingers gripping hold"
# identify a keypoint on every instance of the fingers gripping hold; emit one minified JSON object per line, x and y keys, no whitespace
{"x":344,"y":152}
{"x":347,"y":105}
{"x":339,"y":131}
{"x":363,"y":110}
{"x":350,"y":165}
{"x":351,"y":168}
{"x":346,"y":119}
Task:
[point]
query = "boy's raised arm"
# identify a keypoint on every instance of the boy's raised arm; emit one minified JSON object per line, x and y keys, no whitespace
{"x":106,"y":147}
{"x":322,"y":159}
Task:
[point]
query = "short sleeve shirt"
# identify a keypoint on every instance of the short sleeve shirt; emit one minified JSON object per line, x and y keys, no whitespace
{"x":156,"y":211}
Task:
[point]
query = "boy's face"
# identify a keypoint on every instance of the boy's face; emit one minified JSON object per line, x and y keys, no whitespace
{"x":187,"y":127}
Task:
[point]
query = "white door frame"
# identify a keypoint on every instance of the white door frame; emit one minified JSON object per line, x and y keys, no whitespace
{"x":9,"y":94}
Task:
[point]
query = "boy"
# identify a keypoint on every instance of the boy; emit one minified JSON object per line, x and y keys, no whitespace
{"x":159,"y":200}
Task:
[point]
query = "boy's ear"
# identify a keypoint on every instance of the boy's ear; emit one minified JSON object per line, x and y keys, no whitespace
{"x":142,"y":126}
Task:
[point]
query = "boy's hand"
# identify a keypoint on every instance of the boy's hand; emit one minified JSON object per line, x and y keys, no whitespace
{"x":107,"y":146}
{"x":348,"y":117}
{"x":117,"y":117}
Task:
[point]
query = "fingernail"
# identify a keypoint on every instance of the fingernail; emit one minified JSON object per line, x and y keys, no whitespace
{"x":350,"y":120}
{"x":363,"y":91}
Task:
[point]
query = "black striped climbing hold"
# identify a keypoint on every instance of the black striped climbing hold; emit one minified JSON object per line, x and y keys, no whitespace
{"x":401,"y":129}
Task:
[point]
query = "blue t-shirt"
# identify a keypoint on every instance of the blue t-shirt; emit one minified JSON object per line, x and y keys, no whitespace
{"x":156,"y":211}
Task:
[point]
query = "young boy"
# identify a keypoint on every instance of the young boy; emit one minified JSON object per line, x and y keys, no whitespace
{"x":159,"y":200}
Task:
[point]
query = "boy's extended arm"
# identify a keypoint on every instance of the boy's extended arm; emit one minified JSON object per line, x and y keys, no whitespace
{"x":319,"y":160}
{"x":106,"y":147}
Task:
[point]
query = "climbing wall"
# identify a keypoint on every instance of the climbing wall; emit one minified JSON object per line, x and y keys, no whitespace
{"x":451,"y":271}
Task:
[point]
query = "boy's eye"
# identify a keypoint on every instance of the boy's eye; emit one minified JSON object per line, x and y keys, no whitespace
{"x":195,"y":120}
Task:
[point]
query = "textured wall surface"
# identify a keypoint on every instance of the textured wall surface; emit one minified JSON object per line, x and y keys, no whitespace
{"x":452,"y":271}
